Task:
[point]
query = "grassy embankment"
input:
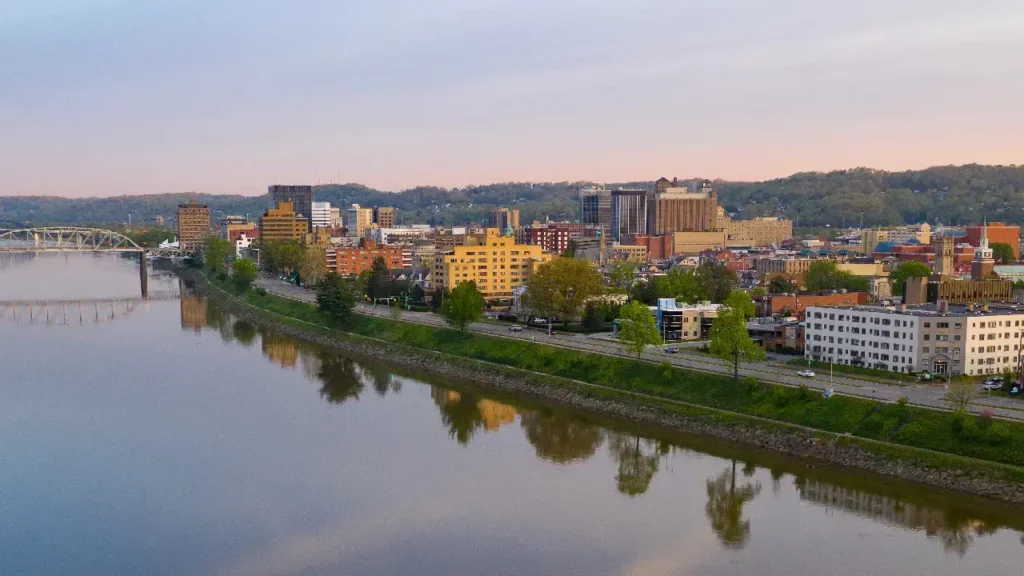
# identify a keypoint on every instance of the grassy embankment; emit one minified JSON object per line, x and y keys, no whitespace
{"x":968,"y":436}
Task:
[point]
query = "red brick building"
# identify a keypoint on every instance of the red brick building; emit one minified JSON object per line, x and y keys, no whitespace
{"x":352,"y":261}
{"x":772,"y":304}
{"x":553,"y":237}
{"x":658,"y":247}
{"x":997,"y":232}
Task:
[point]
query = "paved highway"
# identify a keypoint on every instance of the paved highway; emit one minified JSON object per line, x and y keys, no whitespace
{"x":922,"y":394}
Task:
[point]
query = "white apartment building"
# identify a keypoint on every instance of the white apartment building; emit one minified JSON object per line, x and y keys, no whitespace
{"x":942,"y":339}
{"x":868,"y":336}
{"x":399,"y":234}
{"x":321,"y":216}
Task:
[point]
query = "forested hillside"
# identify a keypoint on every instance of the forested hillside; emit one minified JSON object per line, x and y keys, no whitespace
{"x":948,"y":194}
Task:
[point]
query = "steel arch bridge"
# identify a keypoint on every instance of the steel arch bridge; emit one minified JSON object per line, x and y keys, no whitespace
{"x":73,"y":239}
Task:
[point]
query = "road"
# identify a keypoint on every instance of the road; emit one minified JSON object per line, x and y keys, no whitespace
{"x":922,"y":394}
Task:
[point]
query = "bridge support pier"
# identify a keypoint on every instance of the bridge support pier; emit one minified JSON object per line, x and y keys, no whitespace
{"x":144,"y":274}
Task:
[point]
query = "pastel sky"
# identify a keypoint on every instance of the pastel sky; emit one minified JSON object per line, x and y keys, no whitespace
{"x":111,"y":97}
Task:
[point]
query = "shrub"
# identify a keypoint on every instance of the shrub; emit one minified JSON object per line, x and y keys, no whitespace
{"x":666,"y":370}
{"x":804,"y":394}
{"x":260,"y":291}
{"x":985,"y":418}
{"x":995,"y":434}
{"x":753,"y":386}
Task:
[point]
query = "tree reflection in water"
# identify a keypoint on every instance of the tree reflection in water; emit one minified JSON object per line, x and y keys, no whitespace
{"x":725,"y":505}
{"x":638,"y":462}
{"x":560,"y":439}
{"x":459,"y":412}
{"x":244,"y":332}
{"x":340,"y":378}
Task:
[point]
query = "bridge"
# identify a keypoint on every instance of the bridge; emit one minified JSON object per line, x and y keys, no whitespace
{"x":73,"y":239}
{"x":70,"y":312}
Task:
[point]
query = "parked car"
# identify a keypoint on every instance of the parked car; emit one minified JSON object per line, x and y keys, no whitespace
{"x":552,"y":332}
{"x":515,"y":328}
{"x":672,"y":349}
{"x":989,"y":385}
{"x":806,"y":373}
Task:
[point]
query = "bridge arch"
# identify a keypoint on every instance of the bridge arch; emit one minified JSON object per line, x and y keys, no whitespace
{"x":65,"y":239}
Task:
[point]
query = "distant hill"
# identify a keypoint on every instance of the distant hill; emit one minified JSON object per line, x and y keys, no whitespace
{"x":946,"y":194}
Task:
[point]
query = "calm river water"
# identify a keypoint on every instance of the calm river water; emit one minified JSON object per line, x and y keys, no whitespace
{"x":167,"y":438}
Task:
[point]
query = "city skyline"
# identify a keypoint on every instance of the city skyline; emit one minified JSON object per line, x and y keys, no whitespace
{"x":101,"y":98}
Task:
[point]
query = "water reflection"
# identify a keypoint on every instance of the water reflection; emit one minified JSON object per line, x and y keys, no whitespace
{"x":565,"y":439}
{"x":725,"y":504}
{"x":559,"y":439}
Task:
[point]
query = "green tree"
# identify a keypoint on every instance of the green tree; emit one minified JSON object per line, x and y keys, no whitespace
{"x":313,"y":265}
{"x":910,"y":269}
{"x":725,"y":507}
{"x":679,"y":284}
{"x":729,"y":337}
{"x":593,"y":316}
{"x":336,"y":297}
{"x":960,"y":395}
{"x":825,"y":275}
{"x":216,"y":252}
{"x":637,"y":328}
{"x":562,"y":287}
{"x":378,"y":281}
{"x":715,"y":281}
{"x":463,"y":306}
{"x":1002,"y":253}
{"x":244,"y":272}
{"x":621,"y":277}
{"x":280,"y":256}
{"x":780,"y":285}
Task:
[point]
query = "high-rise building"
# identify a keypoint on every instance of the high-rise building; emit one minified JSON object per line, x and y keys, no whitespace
{"x":504,"y":219}
{"x":596,"y":208}
{"x":763,"y":231}
{"x":496,"y":263}
{"x":321,"y":215}
{"x":193,"y":225}
{"x":678,"y":209}
{"x":384,"y":217}
{"x":282,"y":223}
{"x":554,"y":237}
{"x":629,"y":213}
{"x":358,"y":219}
{"x":300,"y":197}
{"x":335,"y":217}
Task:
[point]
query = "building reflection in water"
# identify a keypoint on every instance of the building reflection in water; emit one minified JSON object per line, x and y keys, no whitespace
{"x":193,"y":313}
{"x":464,"y":413}
{"x":280,"y":350}
{"x":954,"y":530}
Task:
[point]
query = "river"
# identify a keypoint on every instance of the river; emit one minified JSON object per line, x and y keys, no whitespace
{"x":165,"y":437}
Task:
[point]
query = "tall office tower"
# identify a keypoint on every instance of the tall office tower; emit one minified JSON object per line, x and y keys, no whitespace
{"x":596,"y":208}
{"x":384,"y":217}
{"x":193,"y":225}
{"x":358,"y":220}
{"x":300,"y":197}
{"x":676,"y":208}
{"x":944,"y":252}
{"x":321,"y":215}
{"x":504,"y":219}
{"x":629,"y":213}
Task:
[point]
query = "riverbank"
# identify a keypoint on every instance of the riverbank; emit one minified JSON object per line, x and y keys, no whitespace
{"x":846,"y":431}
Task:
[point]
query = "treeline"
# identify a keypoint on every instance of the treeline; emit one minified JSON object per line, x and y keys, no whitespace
{"x":946,"y":194}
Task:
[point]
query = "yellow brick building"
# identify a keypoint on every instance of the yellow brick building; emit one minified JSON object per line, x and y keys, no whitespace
{"x":281,"y":223}
{"x":495,"y":262}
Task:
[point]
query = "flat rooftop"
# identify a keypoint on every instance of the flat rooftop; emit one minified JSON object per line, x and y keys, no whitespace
{"x":994,"y":309}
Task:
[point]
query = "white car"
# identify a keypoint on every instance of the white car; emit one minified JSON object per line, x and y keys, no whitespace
{"x":515,"y":328}
{"x":992,"y":386}
{"x":806,"y":373}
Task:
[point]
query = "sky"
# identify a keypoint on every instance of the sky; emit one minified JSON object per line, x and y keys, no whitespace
{"x":113,"y":97}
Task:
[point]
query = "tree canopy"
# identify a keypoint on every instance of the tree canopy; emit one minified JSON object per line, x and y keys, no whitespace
{"x":463,"y":306}
{"x":216,"y":252}
{"x":906,"y":270}
{"x":336,"y":297}
{"x":312,"y":265}
{"x":715,"y":281}
{"x":679,"y":284}
{"x":780,"y":285}
{"x":1002,"y":253}
{"x":730,"y":340}
{"x":562,"y":287}
{"x":244,"y":272}
{"x":824,"y":274}
{"x":637,"y":328}
{"x":280,"y":256}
